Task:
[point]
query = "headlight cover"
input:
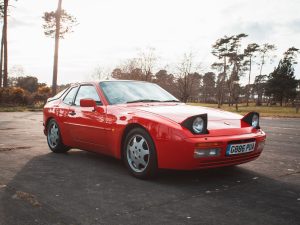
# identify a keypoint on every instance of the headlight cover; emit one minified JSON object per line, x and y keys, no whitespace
{"x":255,"y":120}
{"x":252,"y":119}
{"x":196,"y":124}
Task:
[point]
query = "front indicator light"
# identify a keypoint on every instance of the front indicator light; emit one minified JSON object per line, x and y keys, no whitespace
{"x":261,"y":145}
{"x":209,"y":144}
{"x":199,"y":153}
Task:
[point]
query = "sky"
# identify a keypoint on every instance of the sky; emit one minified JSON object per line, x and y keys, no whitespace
{"x":111,"y":31}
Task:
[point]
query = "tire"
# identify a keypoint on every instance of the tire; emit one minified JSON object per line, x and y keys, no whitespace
{"x":54,"y":139}
{"x":139,"y":154}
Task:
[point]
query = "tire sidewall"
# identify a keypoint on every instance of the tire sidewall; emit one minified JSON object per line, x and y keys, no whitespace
{"x":151,"y":168}
{"x":60,"y":147}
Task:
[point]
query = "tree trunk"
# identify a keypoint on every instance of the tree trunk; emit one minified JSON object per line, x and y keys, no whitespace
{"x":219,"y":98}
{"x":220,"y":102}
{"x":262,"y":64}
{"x":259,"y":97}
{"x":5,"y":72}
{"x":1,"y":59}
{"x":57,"y":32}
{"x":248,"y":88}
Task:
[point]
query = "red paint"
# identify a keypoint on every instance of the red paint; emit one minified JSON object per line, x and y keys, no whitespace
{"x":101,"y":128}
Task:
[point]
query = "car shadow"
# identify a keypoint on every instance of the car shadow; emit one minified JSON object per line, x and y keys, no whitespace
{"x":86,"y":188}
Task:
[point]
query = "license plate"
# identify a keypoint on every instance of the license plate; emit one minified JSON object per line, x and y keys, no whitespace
{"x":235,"y":149}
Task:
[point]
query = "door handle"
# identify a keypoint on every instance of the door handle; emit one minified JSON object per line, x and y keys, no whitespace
{"x":72,"y":113}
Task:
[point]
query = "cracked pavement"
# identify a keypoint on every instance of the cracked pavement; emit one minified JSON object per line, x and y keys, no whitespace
{"x":39,"y":187}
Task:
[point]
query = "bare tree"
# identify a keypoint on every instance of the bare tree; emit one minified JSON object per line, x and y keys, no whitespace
{"x":56,"y":25}
{"x":147,"y":60}
{"x":16,"y":71}
{"x":187,"y":79}
{"x":101,"y":73}
{"x":129,"y":65}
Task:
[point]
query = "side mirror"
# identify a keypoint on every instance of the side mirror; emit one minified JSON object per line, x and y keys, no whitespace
{"x":87,"y":102}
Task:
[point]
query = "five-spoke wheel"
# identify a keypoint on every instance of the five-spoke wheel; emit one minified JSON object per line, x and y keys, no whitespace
{"x":139,"y":153}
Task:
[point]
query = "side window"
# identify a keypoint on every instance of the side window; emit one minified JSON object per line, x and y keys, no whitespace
{"x":87,"y":91}
{"x":70,"y":96}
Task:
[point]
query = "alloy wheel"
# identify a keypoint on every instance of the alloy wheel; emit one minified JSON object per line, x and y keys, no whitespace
{"x":138,"y":153}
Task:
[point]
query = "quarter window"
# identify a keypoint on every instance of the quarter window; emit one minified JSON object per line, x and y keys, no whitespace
{"x":70,"y":96}
{"x":87,"y":91}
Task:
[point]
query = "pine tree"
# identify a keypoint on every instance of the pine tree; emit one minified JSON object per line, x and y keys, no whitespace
{"x":282,"y":83}
{"x":57,"y":25}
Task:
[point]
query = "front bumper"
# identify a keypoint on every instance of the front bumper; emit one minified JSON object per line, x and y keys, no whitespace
{"x":179,"y":153}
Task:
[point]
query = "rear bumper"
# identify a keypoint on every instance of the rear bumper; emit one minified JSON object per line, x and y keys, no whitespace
{"x":179,"y":154}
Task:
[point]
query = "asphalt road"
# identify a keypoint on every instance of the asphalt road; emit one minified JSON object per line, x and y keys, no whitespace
{"x":39,"y":187}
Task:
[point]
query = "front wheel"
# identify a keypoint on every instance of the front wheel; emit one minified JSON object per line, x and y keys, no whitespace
{"x":139,"y":154}
{"x":54,"y":138}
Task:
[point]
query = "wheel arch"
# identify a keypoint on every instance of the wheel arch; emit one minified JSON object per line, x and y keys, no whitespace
{"x":46,"y":124}
{"x":127,"y":129}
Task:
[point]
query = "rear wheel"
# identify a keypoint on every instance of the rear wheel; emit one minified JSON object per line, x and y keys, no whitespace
{"x":139,"y":154}
{"x":54,"y":138}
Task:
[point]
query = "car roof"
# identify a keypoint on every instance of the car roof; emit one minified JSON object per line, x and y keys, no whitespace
{"x":123,"y":81}
{"x":101,"y":81}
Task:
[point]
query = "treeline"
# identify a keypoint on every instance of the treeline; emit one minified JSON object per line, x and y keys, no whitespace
{"x":223,"y":83}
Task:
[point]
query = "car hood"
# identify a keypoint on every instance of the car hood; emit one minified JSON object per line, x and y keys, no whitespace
{"x":180,"y":112}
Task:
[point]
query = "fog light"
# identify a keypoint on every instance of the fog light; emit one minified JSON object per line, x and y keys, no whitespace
{"x":198,"y":153}
{"x":213,"y":152}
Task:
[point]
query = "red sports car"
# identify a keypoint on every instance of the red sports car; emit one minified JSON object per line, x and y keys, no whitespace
{"x":148,"y":128}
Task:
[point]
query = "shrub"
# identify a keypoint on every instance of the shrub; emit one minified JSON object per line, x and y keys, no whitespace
{"x":12,"y":96}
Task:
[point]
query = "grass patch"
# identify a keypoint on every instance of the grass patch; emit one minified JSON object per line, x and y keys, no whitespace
{"x":20,"y":108}
{"x":265,"y":111}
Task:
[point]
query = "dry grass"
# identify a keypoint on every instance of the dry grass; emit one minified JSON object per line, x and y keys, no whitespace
{"x":265,"y":111}
{"x":19,"y":108}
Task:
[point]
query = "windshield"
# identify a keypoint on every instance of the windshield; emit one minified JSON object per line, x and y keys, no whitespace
{"x":118,"y":92}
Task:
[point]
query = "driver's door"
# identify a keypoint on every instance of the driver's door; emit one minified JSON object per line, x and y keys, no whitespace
{"x":87,"y":124}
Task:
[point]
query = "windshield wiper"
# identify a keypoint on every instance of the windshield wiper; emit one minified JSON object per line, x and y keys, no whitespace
{"x":143,"y":100}
{"x":171,"y":101}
